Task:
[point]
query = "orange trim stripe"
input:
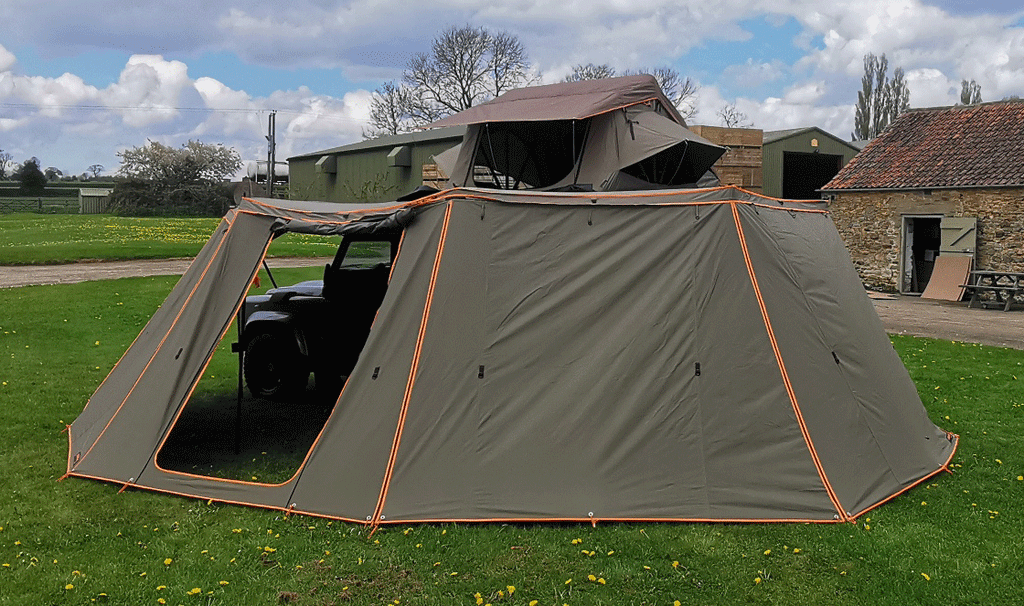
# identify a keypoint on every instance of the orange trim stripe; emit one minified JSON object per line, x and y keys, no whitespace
{"x":945,"y":467}
{"x":413,"y":368}
{"x":782,"y":367}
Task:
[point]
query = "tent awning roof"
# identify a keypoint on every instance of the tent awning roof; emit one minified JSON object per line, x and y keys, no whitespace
{"x":564,"y":101}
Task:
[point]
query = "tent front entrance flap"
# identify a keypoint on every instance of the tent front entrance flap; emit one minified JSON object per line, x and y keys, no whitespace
{"x":696,"y":355}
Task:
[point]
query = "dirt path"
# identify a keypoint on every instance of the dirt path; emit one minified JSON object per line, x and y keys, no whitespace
{"x":899,"y":315}
{"x":27,"y":275}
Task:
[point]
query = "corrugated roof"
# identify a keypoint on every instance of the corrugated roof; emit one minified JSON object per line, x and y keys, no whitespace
{"x":961,"y":146}
{"x":420,"y":136}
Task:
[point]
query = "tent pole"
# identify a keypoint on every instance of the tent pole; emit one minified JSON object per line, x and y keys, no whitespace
{"x":238,"y":404}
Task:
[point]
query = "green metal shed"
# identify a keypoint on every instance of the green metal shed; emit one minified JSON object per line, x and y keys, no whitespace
{"x":796,"y":163}
{"x":370,"y":171}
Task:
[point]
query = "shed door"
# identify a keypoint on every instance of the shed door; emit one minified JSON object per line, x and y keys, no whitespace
{"x":959,"y":236}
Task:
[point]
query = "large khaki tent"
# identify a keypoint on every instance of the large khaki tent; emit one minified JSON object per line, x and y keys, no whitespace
{"x":680,"y":355}
{"x":611,"y":134}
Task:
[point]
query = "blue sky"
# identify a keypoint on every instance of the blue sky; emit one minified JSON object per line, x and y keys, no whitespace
{"x":80,"y":81}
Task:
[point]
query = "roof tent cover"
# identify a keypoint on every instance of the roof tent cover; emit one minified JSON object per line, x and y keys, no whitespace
{"x":598,"y":135}
{"x":679,"y":356}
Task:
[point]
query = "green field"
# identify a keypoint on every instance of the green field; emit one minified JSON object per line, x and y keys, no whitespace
{"x":29,"y":239}
{"x":954,"y":540}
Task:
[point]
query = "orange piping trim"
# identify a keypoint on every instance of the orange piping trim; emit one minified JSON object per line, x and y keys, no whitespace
{"x":461,"y":520}
{"x":412,"y":370}
{"x":161,"y":344}
{"x":945,"y":467}
{"x":782,"y":368}
{"x":475,"y":196}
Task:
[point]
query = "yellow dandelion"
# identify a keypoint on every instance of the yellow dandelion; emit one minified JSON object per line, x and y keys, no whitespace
{"x":675,"y":564}
{"x":501,"y":593}
{"x":69,"y":587}
{"x":998,"y":461}
{"x":924,"y":502}
{"x":511,"y":589}
{"x":236,"y":530}
{"x":601,"y":581}
{"x":167,"y":562}
{"x":796,"y":550}
{"x":223,"y":583}
{"x":767,"y":552}
{"x":195,"y":591}
{"x":161,"y":601}
{"x":568,"y":582}
{"x":1020,"y":478}
{"x":757,"y":580}
{"x":611,"y":552}
{"x":479,"y":600}
{"x":926,"y":577}
{"x":161,"y":587}
{"x":453,"y":574}
{"x":677,"y":603}
{"x":534,"y":602}
{"x":591,"y":578}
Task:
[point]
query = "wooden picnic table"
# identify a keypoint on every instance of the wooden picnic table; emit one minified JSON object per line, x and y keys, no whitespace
{"x":1004,"y":286}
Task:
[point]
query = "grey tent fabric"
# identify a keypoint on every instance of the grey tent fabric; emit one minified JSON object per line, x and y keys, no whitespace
{"x":683,"y":355}
{"x":598,"y":135}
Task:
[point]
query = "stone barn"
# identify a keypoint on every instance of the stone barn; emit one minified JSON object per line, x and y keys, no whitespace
{"x":937,"y":181}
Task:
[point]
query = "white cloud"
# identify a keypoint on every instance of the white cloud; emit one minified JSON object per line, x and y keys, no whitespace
{"x":7,"y":59}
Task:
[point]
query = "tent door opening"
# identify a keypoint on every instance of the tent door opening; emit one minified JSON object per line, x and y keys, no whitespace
{"x":258,"y":425}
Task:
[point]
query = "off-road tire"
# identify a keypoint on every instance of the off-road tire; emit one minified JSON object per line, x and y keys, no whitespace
{"x":274,"y":367}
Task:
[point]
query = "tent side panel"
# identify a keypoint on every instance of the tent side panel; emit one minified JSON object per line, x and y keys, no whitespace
{"x":345,"y":470}
{"x":590,"y":403}
{"x":173,"y":359}
{"x":871,"y":431}
{"x":584,"y":405}
{"x":758,"y":466}
{"x":119,"y":382}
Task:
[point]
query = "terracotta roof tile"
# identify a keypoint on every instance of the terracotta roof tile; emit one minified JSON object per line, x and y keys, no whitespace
{"x":961,"y":146}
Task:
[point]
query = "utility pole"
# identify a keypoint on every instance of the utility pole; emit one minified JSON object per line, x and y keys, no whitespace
{"x":271,"y":154}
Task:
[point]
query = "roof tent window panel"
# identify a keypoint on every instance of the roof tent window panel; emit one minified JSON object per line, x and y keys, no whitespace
{"x":528,"y":155}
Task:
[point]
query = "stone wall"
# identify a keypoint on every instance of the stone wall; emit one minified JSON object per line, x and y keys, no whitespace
{"x":870,"y":224}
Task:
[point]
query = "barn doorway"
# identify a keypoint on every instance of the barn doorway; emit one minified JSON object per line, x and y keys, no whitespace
{"x":922,"y":238}
{"x":803,"y":174}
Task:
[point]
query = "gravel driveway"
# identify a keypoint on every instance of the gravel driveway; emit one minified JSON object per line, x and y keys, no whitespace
{"x":900,"y":315}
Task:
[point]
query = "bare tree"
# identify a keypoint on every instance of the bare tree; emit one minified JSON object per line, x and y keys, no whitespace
{"x":590,"y":71}
{"x":390,"y":111}
{"x":970,"y":92}
{"x":465,"y":66}
{"x":880,"y":100}
{"x":6,"y":160}
{"x":95,"y":169}
{"x":733,"y":118}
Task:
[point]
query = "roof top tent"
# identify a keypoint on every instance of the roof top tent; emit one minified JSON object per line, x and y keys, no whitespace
{"x":697,"y":355}
{"x":612,"y":134}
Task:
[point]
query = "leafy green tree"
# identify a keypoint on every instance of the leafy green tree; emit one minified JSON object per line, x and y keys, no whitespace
{"x":30,"y":176}
{"x":880,"y":99}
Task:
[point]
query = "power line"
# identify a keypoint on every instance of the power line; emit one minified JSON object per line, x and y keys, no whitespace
{"x":226,"y":110}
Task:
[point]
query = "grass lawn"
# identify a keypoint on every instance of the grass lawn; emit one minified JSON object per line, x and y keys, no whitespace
{"x":37,"y":239}
{"x":953,"y":541}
